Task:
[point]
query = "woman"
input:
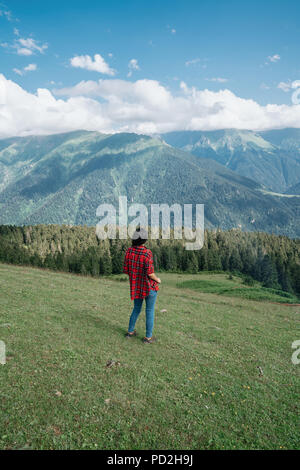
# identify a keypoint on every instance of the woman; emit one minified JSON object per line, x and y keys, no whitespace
{"x":138,"y":264}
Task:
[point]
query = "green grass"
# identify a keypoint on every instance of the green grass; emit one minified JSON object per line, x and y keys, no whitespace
{"x":199,"y":387}
{"x":235,"y":287}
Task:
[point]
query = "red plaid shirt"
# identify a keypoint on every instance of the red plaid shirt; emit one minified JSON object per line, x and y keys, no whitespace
{"x":138,"y":264}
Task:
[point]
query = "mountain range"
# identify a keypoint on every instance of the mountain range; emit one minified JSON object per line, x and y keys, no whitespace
{"x":271,"y":158}
{"x":63,"y":178}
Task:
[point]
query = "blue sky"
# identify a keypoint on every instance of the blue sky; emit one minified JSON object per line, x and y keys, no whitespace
{"x":247,"y":47}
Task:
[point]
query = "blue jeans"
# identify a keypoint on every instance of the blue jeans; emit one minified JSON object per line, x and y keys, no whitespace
{"x":150,"y":304}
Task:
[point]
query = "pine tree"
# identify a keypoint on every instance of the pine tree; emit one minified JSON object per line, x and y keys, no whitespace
{"x":105,"y":264}
{"x":191,"y":262}
{"x":269,"y":275}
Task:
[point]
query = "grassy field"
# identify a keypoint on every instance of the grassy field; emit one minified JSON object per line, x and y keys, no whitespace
{"x":198,"y":387}
{"x":234,"y":286}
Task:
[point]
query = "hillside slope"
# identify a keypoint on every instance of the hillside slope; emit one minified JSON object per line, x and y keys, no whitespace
{"x":198,"y":387}
{"x":63,"y":178}
{"x":294,"y":189}
{"x":271,"y":158}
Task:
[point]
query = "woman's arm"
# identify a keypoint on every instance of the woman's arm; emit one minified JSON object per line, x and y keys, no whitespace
{"x":154,"y":277}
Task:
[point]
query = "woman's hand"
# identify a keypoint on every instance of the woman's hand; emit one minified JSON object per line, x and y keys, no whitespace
{"x":154,"y":277}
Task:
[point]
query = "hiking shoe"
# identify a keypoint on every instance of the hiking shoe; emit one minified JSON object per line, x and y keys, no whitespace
{"x":130,"y":335}
{"x":149,"y":341}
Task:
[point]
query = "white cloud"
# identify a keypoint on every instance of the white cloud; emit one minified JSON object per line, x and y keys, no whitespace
{"x":24,"y":51}
{"x":23,"y":113}
{"x":217,"y":79}
{"x":143,"y":106}
{"x":195,"y":61}
{"x":192,"y":62}
{"x":97,"y":65}
{"x":272,"y":58}
{"x":31,"y":45}
{"x":28,"y":68}
{"x":18,"y":71}
{"x":171,"y":29}
{"x":25,"y":47}
{"x":133,"y":65}
{"x":7,"y":14}
{"x":288,"y":86}
{"x":263,"y":86}
{"x":284,"y":86}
